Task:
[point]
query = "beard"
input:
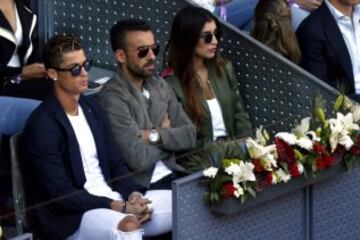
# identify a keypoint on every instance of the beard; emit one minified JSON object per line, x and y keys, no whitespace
{"x":139,"y":71}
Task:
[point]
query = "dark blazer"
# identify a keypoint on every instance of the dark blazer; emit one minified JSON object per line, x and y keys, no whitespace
{"x":27,"y":51}
{"x":324,"y":50}
{"x":54,"y":172}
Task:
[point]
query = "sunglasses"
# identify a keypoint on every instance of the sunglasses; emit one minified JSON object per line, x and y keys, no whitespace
{"x":144,"y":51}
{"x":76,"y":70}
{"x":208,"y":36}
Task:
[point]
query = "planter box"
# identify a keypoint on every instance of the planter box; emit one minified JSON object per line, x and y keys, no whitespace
{"x":232,"y":205}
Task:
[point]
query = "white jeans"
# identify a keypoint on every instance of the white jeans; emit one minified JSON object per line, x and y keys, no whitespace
{"x":102,"y":223}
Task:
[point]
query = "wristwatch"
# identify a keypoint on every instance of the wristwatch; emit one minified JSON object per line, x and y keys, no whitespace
{"x":154,"y":136}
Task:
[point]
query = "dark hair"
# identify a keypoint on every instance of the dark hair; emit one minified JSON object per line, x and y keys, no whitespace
{"x":119,"y":30}
{"x":273,"y":28}
{"x":57,"y":46}
{"x":184,"y":36}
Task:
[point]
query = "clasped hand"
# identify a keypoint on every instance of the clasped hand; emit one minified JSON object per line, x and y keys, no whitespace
{"x":139,"y":206}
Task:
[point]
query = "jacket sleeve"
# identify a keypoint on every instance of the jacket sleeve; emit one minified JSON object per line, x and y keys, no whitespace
{"x":182,"y":133}
{"x":138,"y":155}
{"x":121,"y":178}
{"x":312,"y":50}
{"x":241,"y":117}
{"x":6,"y":72}
{"x":43,"y":143}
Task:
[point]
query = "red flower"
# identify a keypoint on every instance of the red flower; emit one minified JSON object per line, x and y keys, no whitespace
{"x":318,"y":148}
{"x":258,"y":167}
{"x":294,"y":170}
{"x":284,"y":151}
{"x":324,"y":161}
{"x":229,"y":190}
{"x":355,"y":150}
{"x":263,"y":179}
{"x":269,"y":178}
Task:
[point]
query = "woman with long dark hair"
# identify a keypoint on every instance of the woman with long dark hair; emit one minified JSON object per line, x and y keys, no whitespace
{"x":204,"y":83}
{"x":273,"y":28}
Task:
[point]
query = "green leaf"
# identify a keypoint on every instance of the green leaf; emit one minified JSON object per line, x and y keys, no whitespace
{"x":339,"y":102}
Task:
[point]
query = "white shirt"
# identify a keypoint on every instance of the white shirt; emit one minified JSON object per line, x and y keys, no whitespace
{"x":350,"y":29}
{"x":207,"y":4}
{"x":217,"y":120}
{"x":160,"y":170}
{"x":15,"y":59}
{"x":95,"y":183}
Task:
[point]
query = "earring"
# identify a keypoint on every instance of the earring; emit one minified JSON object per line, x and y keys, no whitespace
{"x":55,"y":79}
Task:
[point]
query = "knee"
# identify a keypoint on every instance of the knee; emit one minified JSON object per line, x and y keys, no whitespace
{"x":129,"y":224}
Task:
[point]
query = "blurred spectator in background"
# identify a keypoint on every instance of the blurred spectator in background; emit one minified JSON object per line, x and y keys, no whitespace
{"x":300,"y":9}
{"x":273,"y":28}
{"x":21,"y":73}
{"x":330,"y":44}
{"x":237,"y":12}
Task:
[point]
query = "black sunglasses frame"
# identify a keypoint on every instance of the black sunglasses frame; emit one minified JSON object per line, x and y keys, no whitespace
{"x":76,"y":70}
{"x":144,"y":51}
{"x":208,"y":36}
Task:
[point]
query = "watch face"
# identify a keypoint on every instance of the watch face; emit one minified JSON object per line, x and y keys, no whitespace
{"x":154,"y":136}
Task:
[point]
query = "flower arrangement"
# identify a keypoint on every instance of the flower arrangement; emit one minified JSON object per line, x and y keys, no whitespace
{"x":316,"y":143}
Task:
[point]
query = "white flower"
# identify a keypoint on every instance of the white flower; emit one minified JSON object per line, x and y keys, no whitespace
{"x":268,"y":162}
{"x":304,"y":143}
{"x":287,"y":137}
{"x":256,"y":150}
{"x":301,"y":129}
{"x":312,"y":135}
{"x":210,"y":172}
{"x":355,"y":109}
{"x":280,"y":176}
{"x":241,"y":172}
{"x":340,"y":130}
{"x":239,"y":191}
{"x":261,"y":136}
{"x":300,"y":167}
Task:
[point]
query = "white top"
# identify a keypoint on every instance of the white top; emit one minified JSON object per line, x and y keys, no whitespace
{"x":350,"y":29}
{"x":217,"y":120}
{"x":95,"y":183}
{"x":160,"y":170}
{"x":15,"y":59}
{"x":207,"y":4}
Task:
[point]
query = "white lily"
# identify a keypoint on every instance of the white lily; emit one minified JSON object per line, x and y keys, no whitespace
{"x":287,"y":137}
{"x":301,"y":129}
{"x":269,"y":162}
{"x":241,"y":172}
{"x":261,"y":136}
{"x":340,"y":130}
{"x":210,"y":172}
{"x":257,"y":150}
{"x":355,"y":110}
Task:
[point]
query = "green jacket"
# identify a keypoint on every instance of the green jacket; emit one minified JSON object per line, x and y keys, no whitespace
{"x":226,"y":90}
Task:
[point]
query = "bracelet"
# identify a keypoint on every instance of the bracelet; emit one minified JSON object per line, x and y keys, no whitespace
{"x":16,"y":79}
